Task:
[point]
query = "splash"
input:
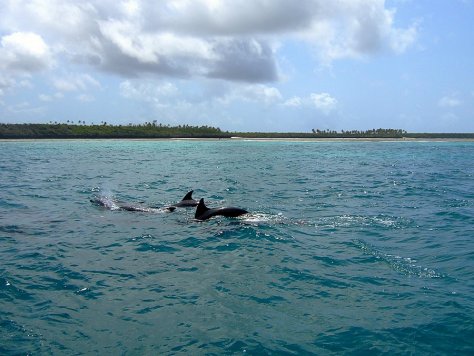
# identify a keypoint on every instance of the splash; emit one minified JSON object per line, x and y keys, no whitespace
{"x":350,"y":221}
{"x":404,"y":265}
{"x":257,"y":218}
{"x":106,"y":200}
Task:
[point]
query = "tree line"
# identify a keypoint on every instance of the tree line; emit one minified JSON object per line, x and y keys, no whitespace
{"x":388,"y":133}
{"x":104,"y":130}
{"x":157,"y":130}
{"x":373,"y":133}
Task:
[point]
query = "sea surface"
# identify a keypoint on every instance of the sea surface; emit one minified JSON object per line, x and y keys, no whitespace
{"x":349,"y":248}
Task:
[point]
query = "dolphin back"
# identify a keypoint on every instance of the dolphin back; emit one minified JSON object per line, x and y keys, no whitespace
{"x":231,"y":212}
{"x":201,"y":211}
{"x":188,"y":196}
{"x":204,"y":213}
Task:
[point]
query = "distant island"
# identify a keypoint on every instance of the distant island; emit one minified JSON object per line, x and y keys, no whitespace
{"x":153,"y":129}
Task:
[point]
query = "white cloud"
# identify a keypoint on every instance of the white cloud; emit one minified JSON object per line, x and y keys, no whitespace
{"x":5,"y":83}
{"x":295,"y":101}
{"x":323,"y":102}
{"x":85,"y":98}
{"x":161,"y":94}
{"x":402,"y":39}
{"x":24,"y":52}
{"x":75,"y":82}
{"x":64,"y":85}
{"x":131,"y":8}
{"x":10,"y":82}
{"x":259,"y":93}
{"x":357,"y":28}
{"x":449,"y":101}
{"x":158,"y":94}
{"x":233,"y":40}
{"x":50,"y":97}
{"x":44,"y":97}
{"x":67,"y":20}
{"x":145,"y":47}
{"x":24,"y":108}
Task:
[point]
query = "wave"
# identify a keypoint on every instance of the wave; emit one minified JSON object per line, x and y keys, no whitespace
{"x":108,"y":201}
{"x":405,"y":265}
{"x":377,"y":221}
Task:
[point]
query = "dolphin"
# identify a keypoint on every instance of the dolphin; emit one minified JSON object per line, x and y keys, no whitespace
{"x":204,"y":213}
{"x":186,"y":201}
{"x":114,"y":205}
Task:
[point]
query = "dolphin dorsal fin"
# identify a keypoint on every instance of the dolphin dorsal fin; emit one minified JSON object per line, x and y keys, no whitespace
{"x":201,"y":208}
{"x":189,"y":196}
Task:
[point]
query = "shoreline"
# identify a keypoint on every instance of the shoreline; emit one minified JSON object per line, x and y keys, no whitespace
{"x":256,"y":139}
{"x":354,"y":139}
{"x":148,"y":131}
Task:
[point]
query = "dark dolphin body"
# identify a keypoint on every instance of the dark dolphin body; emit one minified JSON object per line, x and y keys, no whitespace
{"x":187,"y":201}
{"x":114,"y":205}
{"x":204,"y":213}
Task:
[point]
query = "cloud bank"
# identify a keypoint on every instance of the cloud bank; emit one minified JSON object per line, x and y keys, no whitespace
{"x":235,"y":40}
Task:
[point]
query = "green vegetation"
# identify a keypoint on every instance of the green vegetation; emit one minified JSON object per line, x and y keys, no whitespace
{"x":156,"y":130}
{"x":388,"y":133}
{"x":148,"y":130}
{"x":460,"y":135}
{"x":379,"y":133}
{"x":375,"y":133}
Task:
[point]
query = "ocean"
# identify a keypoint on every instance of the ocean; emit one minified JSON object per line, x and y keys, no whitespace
{"x":349,"y":248}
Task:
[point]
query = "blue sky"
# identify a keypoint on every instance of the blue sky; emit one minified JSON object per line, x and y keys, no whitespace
{"x":240,"y":65}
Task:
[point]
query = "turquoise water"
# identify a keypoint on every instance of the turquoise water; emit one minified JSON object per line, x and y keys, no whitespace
{"x":350,"y":247}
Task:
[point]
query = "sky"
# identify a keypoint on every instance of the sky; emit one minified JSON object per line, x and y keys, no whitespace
{"x":240,"y":65}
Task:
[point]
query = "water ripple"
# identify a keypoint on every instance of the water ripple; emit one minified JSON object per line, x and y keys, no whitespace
{"x":349,"y":248}
{"x":404,"y":265}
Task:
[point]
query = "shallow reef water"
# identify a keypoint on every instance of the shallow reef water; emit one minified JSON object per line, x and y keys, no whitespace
{"x":349,"y":247}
